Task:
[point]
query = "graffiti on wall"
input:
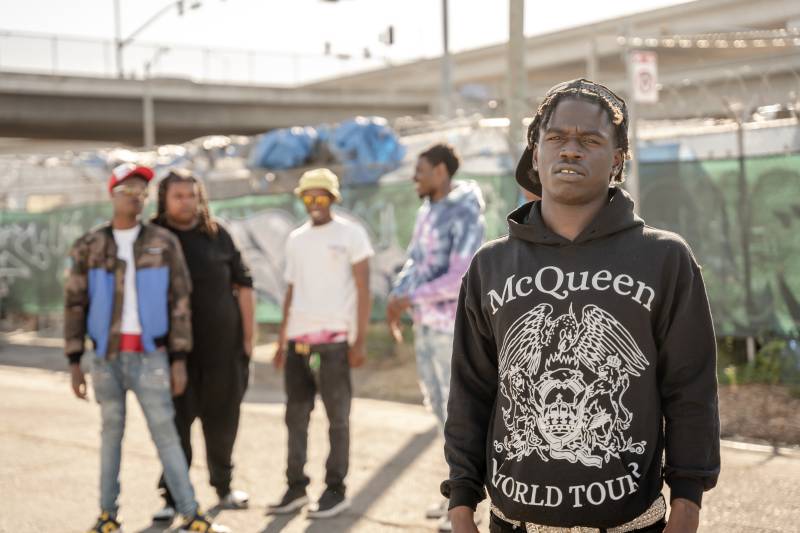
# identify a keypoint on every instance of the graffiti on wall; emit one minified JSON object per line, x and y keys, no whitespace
{"x":744,"y":233}
{"x":747,"y":240}
{"x":33,"y":247}
{"x":33,"y":251}
{"x":261,"y":226}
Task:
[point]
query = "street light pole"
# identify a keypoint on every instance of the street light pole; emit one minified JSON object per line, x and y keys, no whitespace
{"x":446,"y":88}
{"x":180,"y":5}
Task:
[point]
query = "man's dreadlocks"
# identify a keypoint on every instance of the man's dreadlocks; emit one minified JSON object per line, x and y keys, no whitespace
{"x":590,"y":91}
{"x":206,"y":223}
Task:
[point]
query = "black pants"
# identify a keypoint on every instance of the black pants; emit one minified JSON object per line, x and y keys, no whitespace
{"x":500,"y":526}
{"x":329,"y":372}
{"x":214,"y":395}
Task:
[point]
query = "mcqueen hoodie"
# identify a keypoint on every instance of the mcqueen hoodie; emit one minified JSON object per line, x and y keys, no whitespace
{"x":583,"y":373}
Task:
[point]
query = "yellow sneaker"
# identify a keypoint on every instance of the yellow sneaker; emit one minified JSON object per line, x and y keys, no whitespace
{"x":106,"y":524}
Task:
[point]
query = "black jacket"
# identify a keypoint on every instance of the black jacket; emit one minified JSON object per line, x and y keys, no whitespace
{"x":576,"y":365}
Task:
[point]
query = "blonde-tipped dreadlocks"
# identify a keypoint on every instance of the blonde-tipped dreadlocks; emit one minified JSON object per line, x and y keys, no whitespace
{"x":206,"y":223}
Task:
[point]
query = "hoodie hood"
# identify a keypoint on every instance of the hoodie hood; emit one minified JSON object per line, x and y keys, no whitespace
{"x":526,"y":222}
{"x":466,"y":194}
{"x":446,"y":236}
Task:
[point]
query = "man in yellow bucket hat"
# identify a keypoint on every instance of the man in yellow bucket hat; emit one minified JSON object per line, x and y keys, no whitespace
{"x":325,"y":316}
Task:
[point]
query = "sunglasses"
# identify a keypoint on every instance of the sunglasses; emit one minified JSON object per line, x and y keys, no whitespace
{"x":319,"y":201}
{"x":123,"y":190}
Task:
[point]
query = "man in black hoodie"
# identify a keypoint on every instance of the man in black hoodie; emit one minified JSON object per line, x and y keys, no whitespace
{"x":584,"y":349}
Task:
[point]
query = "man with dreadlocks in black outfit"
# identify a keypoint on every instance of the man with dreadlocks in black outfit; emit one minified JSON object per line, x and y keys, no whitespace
{"x":222,"y":325}
{"x":584,"y":358}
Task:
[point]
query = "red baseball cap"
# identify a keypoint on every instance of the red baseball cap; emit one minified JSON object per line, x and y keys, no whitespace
{"x":128,"y":170}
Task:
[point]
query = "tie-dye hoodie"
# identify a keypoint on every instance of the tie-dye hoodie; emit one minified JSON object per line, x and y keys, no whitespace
{"x":446,"y":235}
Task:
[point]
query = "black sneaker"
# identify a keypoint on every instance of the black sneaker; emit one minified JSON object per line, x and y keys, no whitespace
{"x":292,"y":500}
{"x":331,"y":503}
{"x":106,"y":524}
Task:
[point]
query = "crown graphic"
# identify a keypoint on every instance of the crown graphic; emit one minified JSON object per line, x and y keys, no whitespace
{"x":560,"y":417}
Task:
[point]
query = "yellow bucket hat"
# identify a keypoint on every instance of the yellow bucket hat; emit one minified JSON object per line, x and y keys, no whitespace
{"x":319,"y":178}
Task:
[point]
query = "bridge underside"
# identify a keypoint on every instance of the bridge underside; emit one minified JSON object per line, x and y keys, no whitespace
{"x":112,"y":110}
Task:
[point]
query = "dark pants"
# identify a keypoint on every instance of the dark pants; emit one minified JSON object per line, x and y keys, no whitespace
{"x":214,"y":395}
{"x":499,"y":526}
{"x":302,"y":380}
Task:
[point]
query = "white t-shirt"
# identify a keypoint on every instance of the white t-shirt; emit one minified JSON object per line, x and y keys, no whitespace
{"x":319,"y":262}
{"x":130,"y":305}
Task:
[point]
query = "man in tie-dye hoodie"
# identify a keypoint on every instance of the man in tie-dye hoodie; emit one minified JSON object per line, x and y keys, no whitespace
{"x":449,"y":229}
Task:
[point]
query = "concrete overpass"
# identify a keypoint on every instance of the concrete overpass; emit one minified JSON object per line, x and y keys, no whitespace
{"x":106,"y":109}
{"x":695,"y":80}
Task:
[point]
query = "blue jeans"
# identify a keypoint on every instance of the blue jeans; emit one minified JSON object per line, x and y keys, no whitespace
{"x":434,"y":349}
{"x":148,"y":376}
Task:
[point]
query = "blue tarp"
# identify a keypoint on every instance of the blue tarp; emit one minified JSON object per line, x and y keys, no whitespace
{"x":367,"y":147}
{"x":284,"y":149}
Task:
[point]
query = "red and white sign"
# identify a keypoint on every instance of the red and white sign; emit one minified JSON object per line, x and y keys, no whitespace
{"x":644,"y":73}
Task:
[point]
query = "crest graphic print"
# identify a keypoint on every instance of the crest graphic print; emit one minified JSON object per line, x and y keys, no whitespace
{"x":562,"y":382}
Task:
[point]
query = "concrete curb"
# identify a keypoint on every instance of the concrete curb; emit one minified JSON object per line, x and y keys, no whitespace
{"x":785,"y":451}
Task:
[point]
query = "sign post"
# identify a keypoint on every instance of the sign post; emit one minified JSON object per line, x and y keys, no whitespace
{"x":644,"y":65}
{"x":642,"y":70}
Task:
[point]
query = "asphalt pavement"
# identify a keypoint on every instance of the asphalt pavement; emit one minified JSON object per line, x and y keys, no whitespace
{"x":49,"y":444}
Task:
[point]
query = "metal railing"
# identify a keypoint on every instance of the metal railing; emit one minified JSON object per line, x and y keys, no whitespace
{"x":71,"y":55}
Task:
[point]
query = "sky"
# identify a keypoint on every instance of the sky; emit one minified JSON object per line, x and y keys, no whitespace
{"x":211,"y":42}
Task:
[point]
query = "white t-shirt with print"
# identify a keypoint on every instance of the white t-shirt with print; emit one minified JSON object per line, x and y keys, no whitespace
{"x":319,"y":261}
{"x":130,"y":305}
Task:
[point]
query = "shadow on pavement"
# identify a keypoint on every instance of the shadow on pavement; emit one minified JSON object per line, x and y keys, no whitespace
{"x":32,"y":356}
{"x":278,"y":522}
{"x":384,"y":477}
{"x":155,"y":528}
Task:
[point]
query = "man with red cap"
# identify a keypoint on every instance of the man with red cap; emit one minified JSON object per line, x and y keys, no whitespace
{"x":128,"y":290}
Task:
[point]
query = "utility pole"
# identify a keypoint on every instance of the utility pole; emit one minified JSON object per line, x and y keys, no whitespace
{"x":516,"y":75}
{"x":632,"y":178}
{"x":591,"y":60}
{"x":118,"y":39}
{"x":447,"y":84}
{"x":148,"y":111}
{"x":148,"y":106}
{"x":739,"y":111}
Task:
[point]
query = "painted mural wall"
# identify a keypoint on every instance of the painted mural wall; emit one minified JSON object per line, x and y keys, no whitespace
{"x":744,"y":233}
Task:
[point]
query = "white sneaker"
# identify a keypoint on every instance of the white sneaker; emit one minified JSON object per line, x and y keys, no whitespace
{"x":166,"y":514}
{"x":235,"y":499}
